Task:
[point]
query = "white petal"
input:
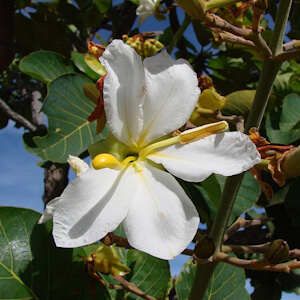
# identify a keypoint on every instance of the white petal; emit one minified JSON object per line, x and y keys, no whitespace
{"x":145,"y":10}
{"x":162,"y":220}
{"x":224,"y":153}
{"x":92,"y":205}
{"x":171,"y":95}
{"x":123,"y":91}
{"x":49,"y":211}
{"x":78,"y":165}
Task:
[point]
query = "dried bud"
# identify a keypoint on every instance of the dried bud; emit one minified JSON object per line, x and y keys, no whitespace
{"x":277,"y":252}
{"x":297,"y":45}
{"x":205,"y":247}
{"x":261,"y":4}
{"x":291,"y":163}
{"x":95,"y":49}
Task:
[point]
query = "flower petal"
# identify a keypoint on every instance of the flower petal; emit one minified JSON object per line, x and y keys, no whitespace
{"x":123,"y":91}
{"x":171,"y":95}
{"x":92,"y":205}
{"x":145,"y":10}
{"x":49,"y":211}
{"x":162,"y":220}
{"x":224,"y":153}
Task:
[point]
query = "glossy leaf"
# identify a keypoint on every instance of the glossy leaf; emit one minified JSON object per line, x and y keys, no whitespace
{"x":227,"y":282}
{"x":31,"y":267}
{"x":290,"y":116}
{"x":246,"y":197}
{"x":150,"y":274}
{"x":240,"y":102}
{"x":281,"y":86}
{"x":274,"y":134}
{"x":78,"y":59}
{"x":67,"y":109}
{"x":102,"y":5}
{"x":46,"y":65}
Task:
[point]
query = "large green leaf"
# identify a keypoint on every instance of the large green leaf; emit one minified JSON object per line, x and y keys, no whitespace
{"x":227,"y":282}
{"x":150,"y":274}
{"x":246,"y":197}
{"x":274,"y":134}
{"x":46,"y":65}
{"x":240,"y":103}
{"x":67,"y":110}
{"x":290,"y":116}
{"x":31,"y":267}
{"x":78,"y":59}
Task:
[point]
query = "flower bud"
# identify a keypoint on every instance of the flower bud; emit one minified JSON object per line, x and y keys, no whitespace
{"x":291,"y":163}
{"x":205,"y":247}
{"x":208,"y":103}
{"x":195,"y":8}
{"x":277,"y":252}
{"x":261,"y":4}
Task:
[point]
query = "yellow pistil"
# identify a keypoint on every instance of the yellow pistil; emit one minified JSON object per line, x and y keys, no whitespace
{"x":106,"y":160}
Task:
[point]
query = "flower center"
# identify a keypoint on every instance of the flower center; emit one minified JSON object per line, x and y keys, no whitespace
{"x":106,"y":160}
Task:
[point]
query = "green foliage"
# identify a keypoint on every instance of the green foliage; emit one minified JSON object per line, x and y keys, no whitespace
{"x":227,"y":282}
{"x":31,"y":267}
{"x":46,"y":66}
{"x":78,"y":59}
{"x":67,"y":110}
{"x":210,"y":191}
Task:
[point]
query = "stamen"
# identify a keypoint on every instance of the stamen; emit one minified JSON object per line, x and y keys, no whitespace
{"x":168,"y":142}
{"x":201,"y":132}
{"x":127,"y":160}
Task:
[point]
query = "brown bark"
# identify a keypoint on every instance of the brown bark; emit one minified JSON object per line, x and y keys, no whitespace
{"x":55,"y":179}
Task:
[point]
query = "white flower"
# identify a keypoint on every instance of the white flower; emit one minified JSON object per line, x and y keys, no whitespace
{"x":146,"y":9}
{"x":144,"y":103}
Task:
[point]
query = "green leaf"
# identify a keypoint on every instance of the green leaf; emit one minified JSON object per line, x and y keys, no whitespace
{"x":240,"y":103}
{"x":150,"y":274}
{"x":292,"y":203}
{"x":290,"y":116}
{"x":31,"y":267}
{"x":102,"y":5}
{"x":185,"y":280}
{"x":281,"y":86}
{"x":274,"y":134}
{"x":246,"y":197}
{"x":78,"y":59}
{"x":67,"y":110}
{"x":46,"y":66}
{"x":227,"y":282}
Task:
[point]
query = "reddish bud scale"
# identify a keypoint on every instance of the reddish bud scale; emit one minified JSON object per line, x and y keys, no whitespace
{"x":98,"y":111}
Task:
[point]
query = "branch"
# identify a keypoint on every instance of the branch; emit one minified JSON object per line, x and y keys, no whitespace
{"x":257,"y":264}
{"x":132,"y":288}
{"x":242,"y":223}
{"x":16,"y":117}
